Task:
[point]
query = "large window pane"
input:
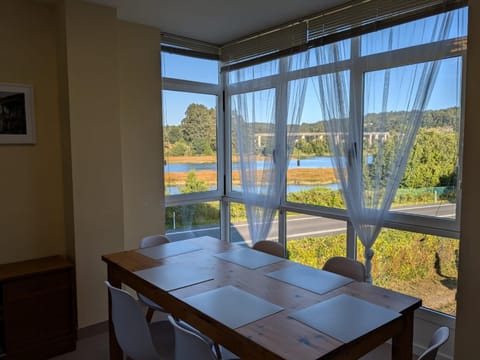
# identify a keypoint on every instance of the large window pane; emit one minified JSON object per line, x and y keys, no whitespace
{"x":312,"y":240}
{"x":343,"y":53}
{"x":190,"y":68}
{"x":239,"y":227}
{"x":420,"y":265}
{"x":254,"y":72}
{"x":310,"y":176}
{"x":253,"y":120}
{"x":188,"y":221}
{"x":429,"y":184}
{"x":411,"y":34}
{"x":190,"y":142}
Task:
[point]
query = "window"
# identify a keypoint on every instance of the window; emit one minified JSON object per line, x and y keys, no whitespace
{"x":189,"y":68}
{"x":192,"y":163}
{"x":203,"y":186}
{"x":197,"y":219}
{"x":190,"y":142}
{"x":312,"y":240}
{"x":417,"y":264}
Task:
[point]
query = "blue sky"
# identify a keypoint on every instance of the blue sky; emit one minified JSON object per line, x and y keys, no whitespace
{"x":445,"y":94}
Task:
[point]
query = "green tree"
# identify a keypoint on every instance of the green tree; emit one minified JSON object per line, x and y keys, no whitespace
{"x":193,"y":184}
{"x":433,"y":159}
{"x":198,"y":127}
{"x":180,"y":148}
{"x":173,"y":133}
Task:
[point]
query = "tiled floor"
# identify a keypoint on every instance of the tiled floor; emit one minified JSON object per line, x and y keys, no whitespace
{"x":92,"y":348}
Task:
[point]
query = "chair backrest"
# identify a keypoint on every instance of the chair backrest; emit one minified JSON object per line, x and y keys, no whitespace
{"x":270,"y":247}
{"x":439,"y":337}
{"x":131,"y":328}
{"x":189,"y":344}
{"x":347,"y":267}
{"x":154,"y":240}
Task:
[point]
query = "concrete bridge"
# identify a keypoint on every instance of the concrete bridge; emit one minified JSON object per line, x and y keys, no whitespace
{"x":370,"y":137}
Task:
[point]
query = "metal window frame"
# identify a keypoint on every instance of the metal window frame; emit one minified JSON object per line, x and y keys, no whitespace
{"x":357,"y":64}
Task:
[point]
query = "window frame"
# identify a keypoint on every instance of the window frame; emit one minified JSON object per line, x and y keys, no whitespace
{"x":196,"y":87}
{"x":358,"y":66}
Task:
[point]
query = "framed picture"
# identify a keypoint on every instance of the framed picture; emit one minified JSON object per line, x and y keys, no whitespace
{"x":17,"y":123}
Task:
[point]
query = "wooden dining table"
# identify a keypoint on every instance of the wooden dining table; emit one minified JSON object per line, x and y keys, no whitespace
{"x":263,"y":307}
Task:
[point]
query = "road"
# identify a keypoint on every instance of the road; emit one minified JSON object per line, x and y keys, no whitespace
{"x":306,"y":225}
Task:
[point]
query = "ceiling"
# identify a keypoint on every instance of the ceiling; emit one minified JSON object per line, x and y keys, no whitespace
{"x":215,"y":21}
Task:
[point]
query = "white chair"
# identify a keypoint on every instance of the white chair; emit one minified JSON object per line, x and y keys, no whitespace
{"x":350,"y":268}
{"x":270,"y":247}
{"x":439,"y":337}
{"x":190,"y":344}
{"x":149,"y":241}
{"x":133,"y":333}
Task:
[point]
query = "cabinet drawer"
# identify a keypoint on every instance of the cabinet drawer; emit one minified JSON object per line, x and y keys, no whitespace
{"x":33,"y":286}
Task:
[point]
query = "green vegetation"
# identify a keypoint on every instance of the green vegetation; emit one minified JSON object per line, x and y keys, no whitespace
{"x":196,"y":135}
{"x":433,"y":160}
{"x":319,"y":196}
{"x":193,"y":184}
{"x":420,"y":265}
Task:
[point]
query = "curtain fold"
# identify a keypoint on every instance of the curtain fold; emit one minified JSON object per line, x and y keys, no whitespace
{"x":370,"y":169}
{"x":262,"y":125}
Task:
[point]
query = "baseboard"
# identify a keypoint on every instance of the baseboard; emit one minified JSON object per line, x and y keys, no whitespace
{"x":92,"y":330}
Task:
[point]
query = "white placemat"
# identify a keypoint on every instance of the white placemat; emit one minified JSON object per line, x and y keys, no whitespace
{"x":249,"y":258}
{"x":169,"y":249}
{"x":175,"y":276}
{"x":232,"y":306}
{"x":345,"y":317}
{"x":309,"y":278}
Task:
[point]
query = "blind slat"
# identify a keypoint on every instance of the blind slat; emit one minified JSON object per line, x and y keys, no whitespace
{"x":268,"y":43}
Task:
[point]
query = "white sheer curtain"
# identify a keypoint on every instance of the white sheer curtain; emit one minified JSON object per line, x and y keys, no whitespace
{"x":370,"y":159}
{"x":262,"y":119}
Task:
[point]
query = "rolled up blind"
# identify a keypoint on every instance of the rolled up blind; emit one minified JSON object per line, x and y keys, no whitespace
{"x":179,"y":45}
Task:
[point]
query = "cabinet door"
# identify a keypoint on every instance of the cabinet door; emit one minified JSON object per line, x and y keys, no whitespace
{"x":39,"y":315}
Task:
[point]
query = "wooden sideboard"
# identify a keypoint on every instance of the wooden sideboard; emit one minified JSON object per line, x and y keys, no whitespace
{"x":38,"y":316}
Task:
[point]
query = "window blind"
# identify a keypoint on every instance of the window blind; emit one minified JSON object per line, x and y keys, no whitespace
{"x":341,"y":22}
{"x":180,"y":45}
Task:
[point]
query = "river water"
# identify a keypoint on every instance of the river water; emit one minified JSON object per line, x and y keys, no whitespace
{"x":309,"y":163}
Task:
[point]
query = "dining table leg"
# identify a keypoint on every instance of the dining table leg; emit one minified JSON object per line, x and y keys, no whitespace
{"x":116,"y":352}
{"x":402,"y":343}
